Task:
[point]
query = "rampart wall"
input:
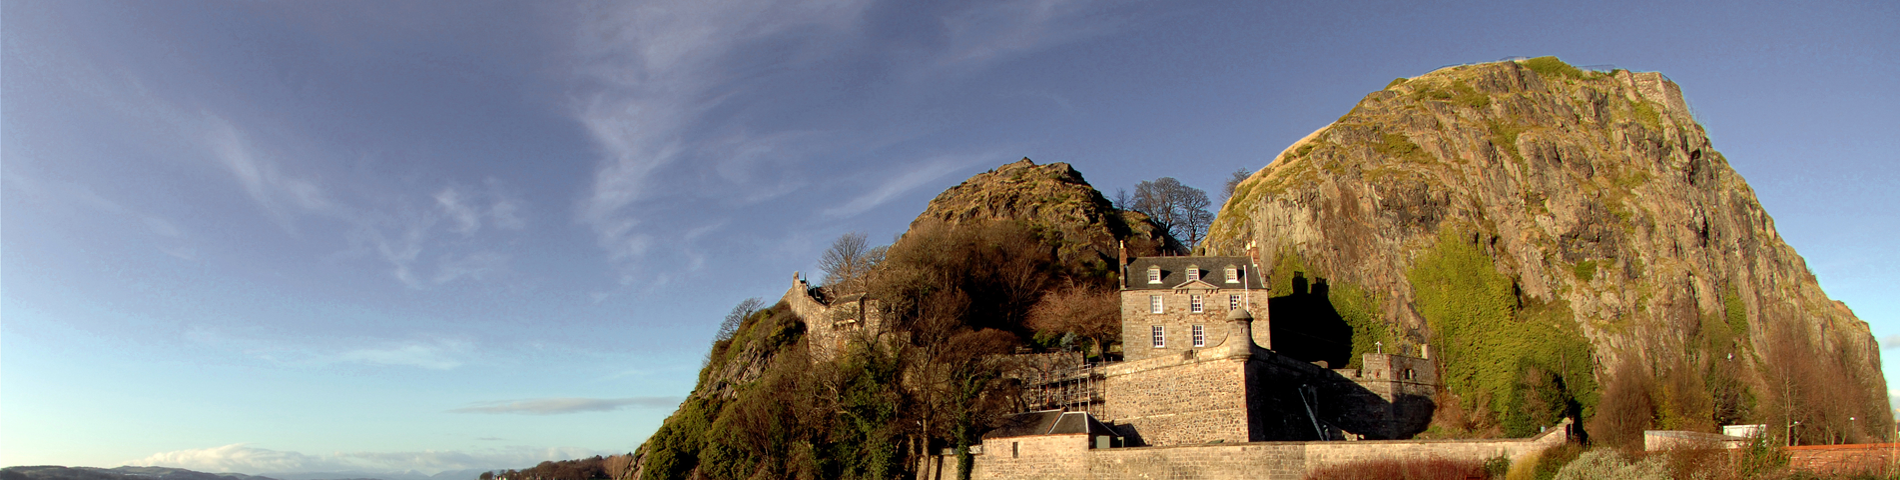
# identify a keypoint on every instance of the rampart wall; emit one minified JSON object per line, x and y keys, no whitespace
{"x":1178,"y":399}
{"x":1069,"y":458}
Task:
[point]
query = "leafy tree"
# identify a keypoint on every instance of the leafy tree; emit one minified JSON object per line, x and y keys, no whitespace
{"x":1179,"y":208}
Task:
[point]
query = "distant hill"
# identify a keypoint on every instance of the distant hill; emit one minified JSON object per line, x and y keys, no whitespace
{"x":50,"y":472}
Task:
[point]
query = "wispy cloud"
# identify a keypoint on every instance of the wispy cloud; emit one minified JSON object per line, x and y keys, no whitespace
{"x":171,"y":237}
{"x":434,"y":355}
{"x":247,"y":459}
{"x":269,"y":186}
{"x":905,"y":181}
{"x":438,"y":353}
{"x":690,"y":92}
{"x":557,"y":406}
{"x":1890,"y":342}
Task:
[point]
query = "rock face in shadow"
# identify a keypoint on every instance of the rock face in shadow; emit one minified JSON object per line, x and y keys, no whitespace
{"x":1595,"y":192}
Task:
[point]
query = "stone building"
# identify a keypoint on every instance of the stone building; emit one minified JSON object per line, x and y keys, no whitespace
{"x":1201,"y":392}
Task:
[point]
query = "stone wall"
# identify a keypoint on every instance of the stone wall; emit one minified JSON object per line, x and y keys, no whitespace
{"x":1189,"y":398}
{"x":830,"y":324}
{"x":1068,"y":457}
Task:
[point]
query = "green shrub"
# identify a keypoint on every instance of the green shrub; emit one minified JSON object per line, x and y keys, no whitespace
{"x":1395,"y":82}
{"x":1488,"y":345}
{"x":1735,"y":312}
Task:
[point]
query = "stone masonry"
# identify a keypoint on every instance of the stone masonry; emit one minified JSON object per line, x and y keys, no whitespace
{"x":830,"y":323}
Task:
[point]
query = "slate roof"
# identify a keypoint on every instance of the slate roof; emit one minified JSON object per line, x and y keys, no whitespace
{"x":1174,"y":272}
{"x":1049,"y":422}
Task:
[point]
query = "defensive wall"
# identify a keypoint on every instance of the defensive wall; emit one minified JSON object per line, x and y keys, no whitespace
{"x":1072,"y":457}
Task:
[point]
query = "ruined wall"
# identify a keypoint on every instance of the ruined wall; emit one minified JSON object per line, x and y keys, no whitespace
{"x":828,"y":326}
{"x":1189,"y":398}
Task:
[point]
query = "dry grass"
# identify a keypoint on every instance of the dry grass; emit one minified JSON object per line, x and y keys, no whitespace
{"x":1433,"y":469}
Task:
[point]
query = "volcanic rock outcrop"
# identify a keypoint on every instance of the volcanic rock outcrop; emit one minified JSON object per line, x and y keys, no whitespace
{"x":1593,"y":196}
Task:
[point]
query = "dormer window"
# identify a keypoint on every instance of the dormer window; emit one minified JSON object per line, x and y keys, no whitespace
{"x":1233,"y":274}
{"x":1154,"y":274}
{"x":1194,"y":272}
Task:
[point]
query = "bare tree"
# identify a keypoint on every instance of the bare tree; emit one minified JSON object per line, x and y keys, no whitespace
{"x":848,"y":260}
{"x":1179,"y":208}
{"x":1233,"y":182}
{"x":736,"y":317}
{"x":1093,"y":314}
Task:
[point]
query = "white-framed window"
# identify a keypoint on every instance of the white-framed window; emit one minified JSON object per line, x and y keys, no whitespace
{"x":1200,"y":336}
{"x":1194,"y":272}
{"x":1196,"y":304}
{"x":1233,"y":274}
{"x":1154,"y":304}
{"x":1161,"y":339}
{"x":1154,"y":274}
{"x":1233,"y":301}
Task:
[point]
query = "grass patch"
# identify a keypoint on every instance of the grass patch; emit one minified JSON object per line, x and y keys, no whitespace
{"x":1463,"y":94}
{"x":1551,"y":67}
{"x":1395,"y":82}
{"x":1586,"y":270}
{"x":1646,"y":114}
{"x":1504,"y":136}
{"x":1396,"y":146}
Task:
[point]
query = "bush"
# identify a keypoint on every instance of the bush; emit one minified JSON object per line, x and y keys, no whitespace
{"x":1608,"y":464}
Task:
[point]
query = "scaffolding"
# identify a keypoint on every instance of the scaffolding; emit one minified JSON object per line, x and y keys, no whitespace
{"x":1063,"y":382}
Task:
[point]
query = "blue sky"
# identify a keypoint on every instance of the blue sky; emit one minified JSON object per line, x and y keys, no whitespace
{"x":280,"y":237}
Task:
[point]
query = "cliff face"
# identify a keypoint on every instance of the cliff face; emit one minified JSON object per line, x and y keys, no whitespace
{"x":1590,"y":196}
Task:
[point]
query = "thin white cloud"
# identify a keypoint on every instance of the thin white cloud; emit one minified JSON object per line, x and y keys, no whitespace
{"x":434,"y":355}
{"x":558,"y":406}
{"x":911,"y":178}
{"x":261,"y":177}
{"x":68,"y":195}
{"x":247,"y":459}
{"x":1890,"y":342}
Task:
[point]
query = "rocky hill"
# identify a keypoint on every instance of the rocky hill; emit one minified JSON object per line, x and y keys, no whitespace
{"x":1567,"y":240}
{"x":952,"y":293}
{"x":1050,"y":198}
